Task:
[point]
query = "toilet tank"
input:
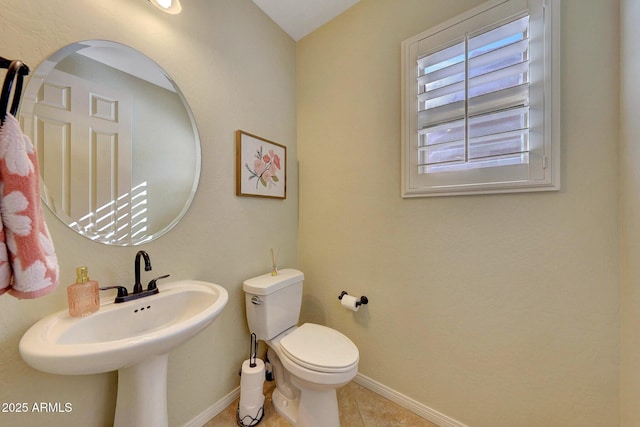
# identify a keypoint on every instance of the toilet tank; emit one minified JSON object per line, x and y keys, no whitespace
{"x":273,"y":302}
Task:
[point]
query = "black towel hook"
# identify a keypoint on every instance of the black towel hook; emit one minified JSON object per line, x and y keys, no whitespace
{"x":15,"y":72}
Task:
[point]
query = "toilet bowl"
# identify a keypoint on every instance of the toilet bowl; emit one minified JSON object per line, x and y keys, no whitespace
{"x":310,"y":362}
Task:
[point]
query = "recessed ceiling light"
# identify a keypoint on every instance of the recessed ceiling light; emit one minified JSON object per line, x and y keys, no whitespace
{"x":169,"y":6}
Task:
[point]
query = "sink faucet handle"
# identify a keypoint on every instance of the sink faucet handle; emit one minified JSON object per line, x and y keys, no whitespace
{"x":152,"y":283}
{"x":122,"y":291}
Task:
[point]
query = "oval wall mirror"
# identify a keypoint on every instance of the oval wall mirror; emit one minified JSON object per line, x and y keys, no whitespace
{"x":117,"y":144}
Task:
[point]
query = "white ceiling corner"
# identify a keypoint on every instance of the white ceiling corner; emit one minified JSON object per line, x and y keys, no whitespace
{"x":300,"y":17}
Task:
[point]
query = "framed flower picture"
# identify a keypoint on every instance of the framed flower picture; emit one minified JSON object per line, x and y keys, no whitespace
{"x":261,"y":167}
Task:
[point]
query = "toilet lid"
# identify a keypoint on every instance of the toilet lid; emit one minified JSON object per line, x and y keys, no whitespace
{"x":320,"y":348}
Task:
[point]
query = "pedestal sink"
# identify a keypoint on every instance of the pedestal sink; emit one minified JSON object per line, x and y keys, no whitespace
{"x":133,"y":338}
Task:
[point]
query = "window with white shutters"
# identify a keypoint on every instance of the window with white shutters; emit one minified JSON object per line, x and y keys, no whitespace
{"x":479,"y":108}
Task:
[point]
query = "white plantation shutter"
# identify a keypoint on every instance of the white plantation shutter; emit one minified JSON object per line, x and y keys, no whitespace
{"x":474,"y":106}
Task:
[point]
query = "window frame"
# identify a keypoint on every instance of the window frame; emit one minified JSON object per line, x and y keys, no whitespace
{"x":544,"y":91}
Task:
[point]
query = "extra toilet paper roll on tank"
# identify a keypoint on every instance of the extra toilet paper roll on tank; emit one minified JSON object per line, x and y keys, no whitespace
{"x":349,"y":302}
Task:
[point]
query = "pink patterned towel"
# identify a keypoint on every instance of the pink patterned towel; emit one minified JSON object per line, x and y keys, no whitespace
{"x":28,"y":263}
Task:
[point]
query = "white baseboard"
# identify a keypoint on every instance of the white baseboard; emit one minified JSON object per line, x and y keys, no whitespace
{"x":384,"y":391}
{"x":406,"y":402}
{"x":213,"y":410}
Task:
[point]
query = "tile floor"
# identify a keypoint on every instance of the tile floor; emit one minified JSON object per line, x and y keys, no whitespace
{"x":359,"y":407}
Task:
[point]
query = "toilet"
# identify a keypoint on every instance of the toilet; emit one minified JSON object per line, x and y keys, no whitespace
{"x":309,"y":361}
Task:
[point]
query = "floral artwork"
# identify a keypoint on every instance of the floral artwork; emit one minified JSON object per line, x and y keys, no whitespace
{"x":265,"y":168}
{"x":260,"y":167}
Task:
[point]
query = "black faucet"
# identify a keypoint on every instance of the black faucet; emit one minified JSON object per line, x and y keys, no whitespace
{"x":138,"y":291}
{"x":137,"y":286}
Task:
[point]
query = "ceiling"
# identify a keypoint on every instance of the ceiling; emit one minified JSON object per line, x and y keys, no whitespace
{"x":300,"y":17}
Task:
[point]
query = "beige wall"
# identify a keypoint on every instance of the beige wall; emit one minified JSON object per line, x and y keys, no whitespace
{"x":498,"y":310}
{"x":478,"y":309}
{"x":630,"y":212}
{"x":236,"y":69}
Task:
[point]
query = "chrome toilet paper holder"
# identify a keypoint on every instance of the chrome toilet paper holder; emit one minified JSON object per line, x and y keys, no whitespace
{"x":363,"y":299}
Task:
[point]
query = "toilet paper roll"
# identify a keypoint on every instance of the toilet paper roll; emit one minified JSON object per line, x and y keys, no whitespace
{"x":252,"y":377}
{"x":251,"y":388}
{"x":250,"y":395}
{"x":349,"y":302}
{"x":251,"y":410}
{"x":250,"y":415}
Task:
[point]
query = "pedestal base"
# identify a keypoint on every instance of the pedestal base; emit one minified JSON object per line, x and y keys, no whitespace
{"x":142,"y":394}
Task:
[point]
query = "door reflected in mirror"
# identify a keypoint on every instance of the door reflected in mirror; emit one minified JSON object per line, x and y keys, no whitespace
{"x":117,"y":144}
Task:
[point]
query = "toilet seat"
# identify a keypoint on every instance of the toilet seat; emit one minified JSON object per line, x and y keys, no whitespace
{"x":320,"y":349}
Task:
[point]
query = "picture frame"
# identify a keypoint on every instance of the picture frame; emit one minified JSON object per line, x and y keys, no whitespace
{"x":261,"y":167}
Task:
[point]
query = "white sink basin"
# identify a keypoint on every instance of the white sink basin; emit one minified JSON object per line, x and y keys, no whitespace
{"x":124,"y":334}
{"x":132,"y":337}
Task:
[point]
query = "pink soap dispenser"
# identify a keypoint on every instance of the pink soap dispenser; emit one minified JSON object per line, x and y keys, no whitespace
{"x":83,"y":296}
